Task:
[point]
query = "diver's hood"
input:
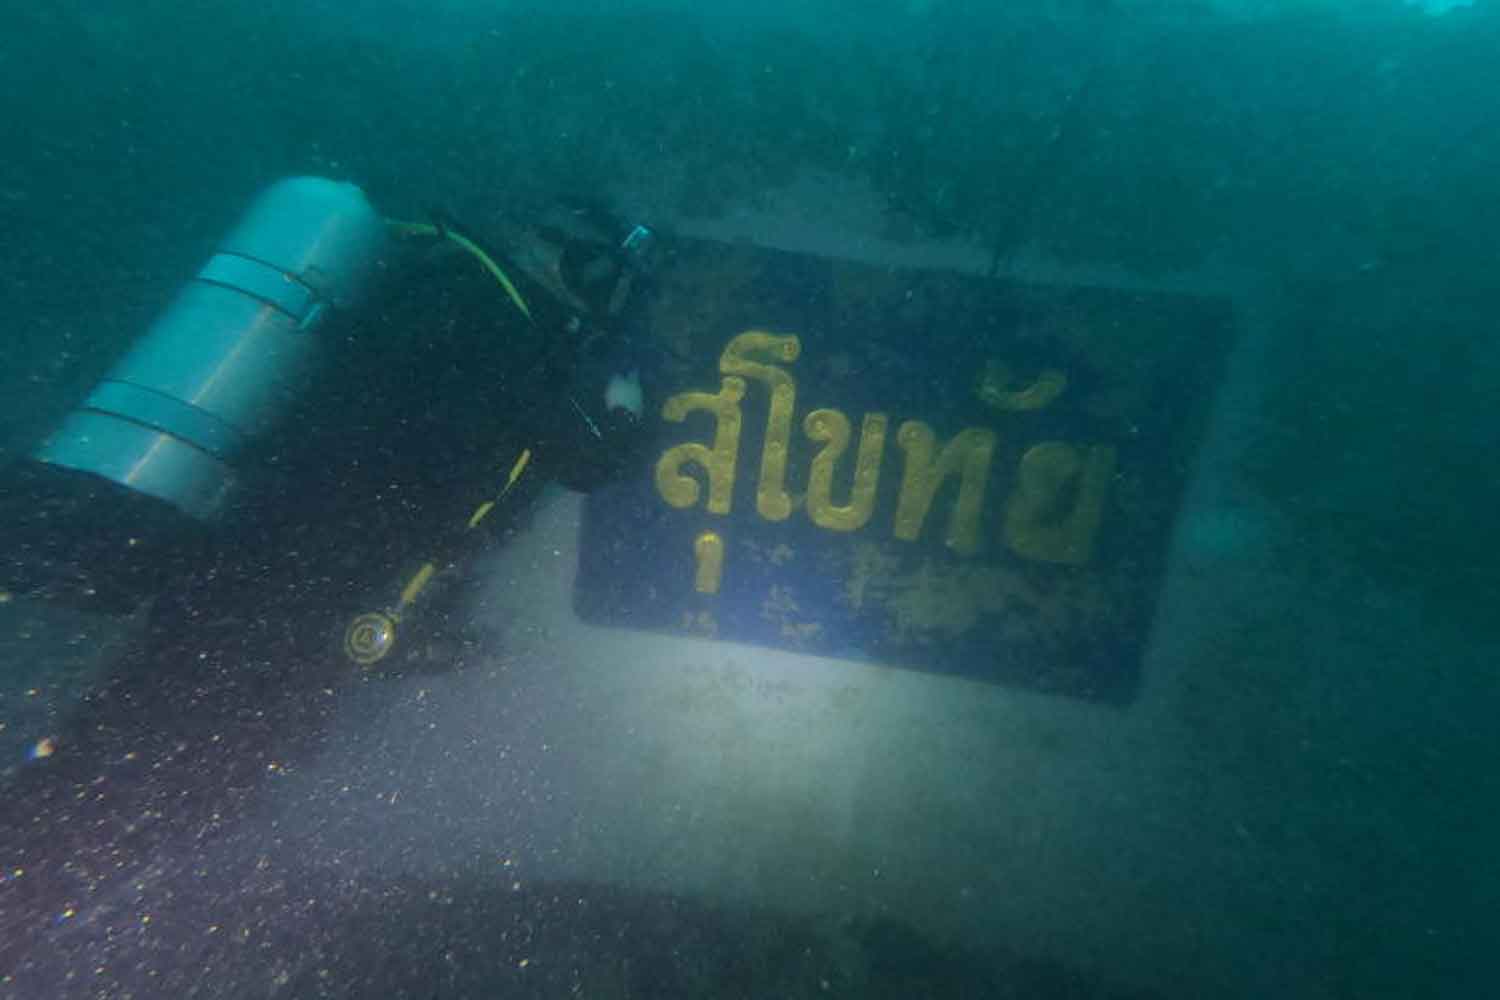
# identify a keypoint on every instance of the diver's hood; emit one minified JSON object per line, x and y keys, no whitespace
{"x":582,"y":256}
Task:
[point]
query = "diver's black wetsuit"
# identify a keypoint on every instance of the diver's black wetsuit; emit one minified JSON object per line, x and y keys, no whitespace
{"x":429,"y":394}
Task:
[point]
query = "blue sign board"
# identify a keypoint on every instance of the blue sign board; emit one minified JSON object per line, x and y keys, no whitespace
{"x":935,"y":471}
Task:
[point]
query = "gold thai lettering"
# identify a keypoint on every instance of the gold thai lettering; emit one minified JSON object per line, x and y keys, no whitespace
{"x":755,"y":354}
{"x":700,"y":623}
{"x":831,"y":428}
{"x":708,"y":551}
{"x":717,"y":461}
{"x":968,"y":454}
{"x":994,"y":388}
{"x":1053,"y":514}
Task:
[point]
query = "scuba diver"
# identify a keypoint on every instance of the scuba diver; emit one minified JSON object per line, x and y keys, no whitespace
{"x":567,"y":378}
{"x":279,"y":487}
{"x":330,"y":418}
{"x":479,"y":371}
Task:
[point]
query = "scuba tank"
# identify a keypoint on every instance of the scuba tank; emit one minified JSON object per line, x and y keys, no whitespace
{"x":149,"y":457}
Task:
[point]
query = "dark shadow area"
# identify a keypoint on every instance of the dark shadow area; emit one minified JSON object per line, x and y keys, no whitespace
{"x":312,"y":933}
{"x":137,"y":864}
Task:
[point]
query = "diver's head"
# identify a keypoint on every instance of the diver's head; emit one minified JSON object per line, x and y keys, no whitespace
{"x":601,"y":252}
{"x":584,"y":255}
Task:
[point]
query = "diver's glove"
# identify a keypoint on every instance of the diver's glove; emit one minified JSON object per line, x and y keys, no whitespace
{"x":623,"y":394}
